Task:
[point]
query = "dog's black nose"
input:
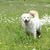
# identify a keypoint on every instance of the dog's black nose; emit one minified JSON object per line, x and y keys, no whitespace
{"x":26,"y":21}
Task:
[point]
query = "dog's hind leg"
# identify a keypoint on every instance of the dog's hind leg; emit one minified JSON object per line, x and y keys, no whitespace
{"x":38,"y":33}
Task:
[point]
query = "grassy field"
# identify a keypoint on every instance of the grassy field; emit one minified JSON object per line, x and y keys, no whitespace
{"x":12,"y":35}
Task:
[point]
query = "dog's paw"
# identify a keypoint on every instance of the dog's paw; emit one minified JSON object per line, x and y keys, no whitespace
{"x":39,"y":36}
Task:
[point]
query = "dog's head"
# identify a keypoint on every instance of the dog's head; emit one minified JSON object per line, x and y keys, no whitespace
{"x":26,"y":17}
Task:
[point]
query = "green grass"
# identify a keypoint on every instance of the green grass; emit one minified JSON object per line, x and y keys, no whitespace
{"x":12,"y":35}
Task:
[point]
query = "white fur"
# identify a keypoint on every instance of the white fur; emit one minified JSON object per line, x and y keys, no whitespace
{"x":34,"y":23}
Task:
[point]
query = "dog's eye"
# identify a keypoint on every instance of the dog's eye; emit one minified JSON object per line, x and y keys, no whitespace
{"x":24,"y":17}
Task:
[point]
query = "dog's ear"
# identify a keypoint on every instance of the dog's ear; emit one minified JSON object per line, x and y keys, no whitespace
{"x":22,"y":15}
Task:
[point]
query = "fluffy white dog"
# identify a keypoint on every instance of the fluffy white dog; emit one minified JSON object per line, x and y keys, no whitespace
{"x":31,"y":23}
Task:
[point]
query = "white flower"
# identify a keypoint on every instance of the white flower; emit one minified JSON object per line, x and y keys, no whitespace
{"x":33,"y":49}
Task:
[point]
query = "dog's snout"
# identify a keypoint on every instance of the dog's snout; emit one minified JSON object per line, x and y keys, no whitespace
{"x":25,"y":20}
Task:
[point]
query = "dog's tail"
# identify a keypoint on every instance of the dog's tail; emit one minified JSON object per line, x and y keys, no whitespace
{"x":45,"y":20}
{"x":34,"y":13}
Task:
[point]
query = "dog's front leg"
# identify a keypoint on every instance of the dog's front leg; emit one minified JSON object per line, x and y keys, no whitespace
{"x":34,"y":31}
{"x":35,"y":35}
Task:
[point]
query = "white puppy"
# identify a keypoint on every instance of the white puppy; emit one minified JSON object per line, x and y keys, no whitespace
{"x":31,"y":23}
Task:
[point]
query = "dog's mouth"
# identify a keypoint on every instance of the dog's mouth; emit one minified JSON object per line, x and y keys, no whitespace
{"x":26,"y":21}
